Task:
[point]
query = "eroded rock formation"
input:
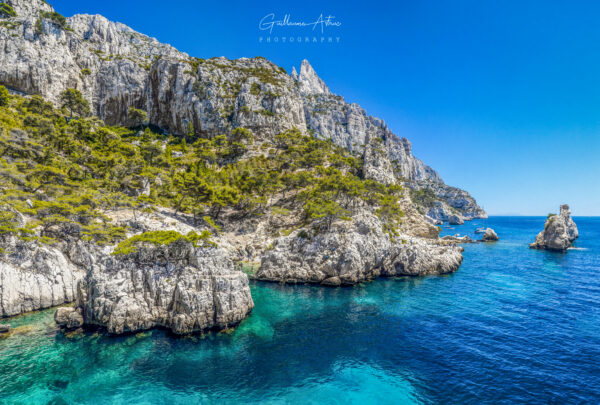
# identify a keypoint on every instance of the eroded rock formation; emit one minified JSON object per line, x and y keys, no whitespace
{"x":559,"y":232}
{"x":352,"y":252}
{"x":177,"y":286}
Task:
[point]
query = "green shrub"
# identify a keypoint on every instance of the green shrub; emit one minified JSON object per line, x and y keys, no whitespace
{"x":137,"y":117}
{"x":56,"y":18}
{"x":6,"y":11}
{"x":39,"y":27}
{"x":160,"y":238}
{"x":4,"y":96}
{"x":266,"y":112}
{"x":74,"y":101}
{"x":86,"y":72}
{"x":280,"y":211}
{"x":303,"y":234}
{"x":255,"y":89}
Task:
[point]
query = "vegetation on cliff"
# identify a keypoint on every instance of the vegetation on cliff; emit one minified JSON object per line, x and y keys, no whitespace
{"x":63,"y":171}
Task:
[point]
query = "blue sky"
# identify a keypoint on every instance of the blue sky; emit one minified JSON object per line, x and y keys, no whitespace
{"x":501,"y":98}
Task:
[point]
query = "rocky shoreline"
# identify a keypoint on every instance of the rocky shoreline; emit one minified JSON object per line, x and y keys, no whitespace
{"x":267,"y":172}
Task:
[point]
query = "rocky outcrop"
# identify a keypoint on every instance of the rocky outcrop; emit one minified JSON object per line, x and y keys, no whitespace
{"x":175,"y":286}
{"x":4,"y":328}
{"x":309,"y":82}
{"x":457,"y":239}
{"x":454,"y":219}
{"x":68,"y":317}
{"x":352,"y":252}
{"x":490,"y":236}
{"x":559,"y":232}
{"x":377,"y":165}
{"x":178,"y":286}
{"x":450,"y":202}
{"x":34,"y":276}
{"x":415,"y":224}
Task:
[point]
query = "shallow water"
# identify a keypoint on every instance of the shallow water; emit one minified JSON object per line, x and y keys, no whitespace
{"x":512,"y":325}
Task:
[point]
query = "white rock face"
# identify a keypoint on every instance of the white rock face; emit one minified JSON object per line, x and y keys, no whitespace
{"x":309,"y":82}
{"x":34,"y":277}
{"x":453,"y":202}
{"x":559,"y":232}
{"x":178,"y":286}
{"x":352,"y":252}
{"x":377,"y":165}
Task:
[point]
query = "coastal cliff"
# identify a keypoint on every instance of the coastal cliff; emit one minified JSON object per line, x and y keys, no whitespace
{"x":254,"y":172}
{"x":177,"y":286}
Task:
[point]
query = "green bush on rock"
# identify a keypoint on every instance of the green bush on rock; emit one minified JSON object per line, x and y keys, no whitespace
{"x":4,"y":96}
{"x":6,"y":11}
{"x":161,"y":238}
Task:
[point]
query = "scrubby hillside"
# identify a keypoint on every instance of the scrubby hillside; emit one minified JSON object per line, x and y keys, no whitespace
{"x":67,"y":174}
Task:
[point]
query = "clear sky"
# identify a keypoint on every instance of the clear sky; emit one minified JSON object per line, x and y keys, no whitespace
{"x":502,"y":98}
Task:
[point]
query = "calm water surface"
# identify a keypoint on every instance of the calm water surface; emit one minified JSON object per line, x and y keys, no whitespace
{"x":512,"y":325}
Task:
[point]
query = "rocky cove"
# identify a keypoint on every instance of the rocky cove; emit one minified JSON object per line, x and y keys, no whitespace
{"x":146,"y":186}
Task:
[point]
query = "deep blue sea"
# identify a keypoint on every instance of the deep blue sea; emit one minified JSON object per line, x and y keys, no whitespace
{"x":512,"y":325}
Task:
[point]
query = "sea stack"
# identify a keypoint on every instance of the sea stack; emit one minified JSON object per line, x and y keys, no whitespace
{"x":490,"y":236}
{"x":559,"y":232}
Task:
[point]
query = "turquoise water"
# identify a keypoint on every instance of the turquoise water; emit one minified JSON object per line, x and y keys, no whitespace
{"x":512,"y":325}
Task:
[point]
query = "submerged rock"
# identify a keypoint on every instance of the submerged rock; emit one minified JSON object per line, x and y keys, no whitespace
{"x":490,"y":235}
{"x":352,"y":252}
{"x":559,"y":232}
{"x":4,"y":328}
{"x":177,"y":286}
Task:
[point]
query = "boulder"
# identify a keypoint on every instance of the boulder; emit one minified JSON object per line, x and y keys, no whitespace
{"x":559,"y":232}
{"x":490,"y":236}
{"x":455,"y":219}
{"x":68,"y":317}
{"x":4,"y":328}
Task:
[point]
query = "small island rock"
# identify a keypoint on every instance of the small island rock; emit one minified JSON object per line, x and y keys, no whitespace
{"x":490,"y":236}
{"x":559,"y":232}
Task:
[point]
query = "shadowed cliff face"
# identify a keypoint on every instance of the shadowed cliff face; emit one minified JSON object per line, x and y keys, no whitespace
{"x":116,"y":68}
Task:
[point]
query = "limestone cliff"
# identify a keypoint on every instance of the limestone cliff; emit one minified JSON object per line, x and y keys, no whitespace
{"x":116,"y":68}
{"x":177,"y":286}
